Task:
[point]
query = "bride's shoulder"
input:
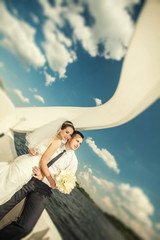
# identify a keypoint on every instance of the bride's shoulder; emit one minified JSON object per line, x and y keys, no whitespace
{"x":56,"y":142}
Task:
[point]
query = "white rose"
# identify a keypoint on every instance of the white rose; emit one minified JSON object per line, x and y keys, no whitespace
{"x":65,"y":181}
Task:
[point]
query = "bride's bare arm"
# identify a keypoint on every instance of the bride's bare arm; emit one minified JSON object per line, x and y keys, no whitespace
{"x":44,"y":159}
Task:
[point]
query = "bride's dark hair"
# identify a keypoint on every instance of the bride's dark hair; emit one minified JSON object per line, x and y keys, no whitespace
{"x":67,"y":124}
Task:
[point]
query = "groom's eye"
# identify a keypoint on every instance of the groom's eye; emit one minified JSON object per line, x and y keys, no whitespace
{"x":79,"y":142}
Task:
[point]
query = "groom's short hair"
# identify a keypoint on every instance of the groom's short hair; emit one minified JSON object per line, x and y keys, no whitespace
{"x":77,"y":132}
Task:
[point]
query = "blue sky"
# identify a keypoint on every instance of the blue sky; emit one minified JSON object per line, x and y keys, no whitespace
{"x":56,"y":54}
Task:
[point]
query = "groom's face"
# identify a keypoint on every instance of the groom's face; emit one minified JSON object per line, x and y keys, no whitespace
{"x":75,"y":142}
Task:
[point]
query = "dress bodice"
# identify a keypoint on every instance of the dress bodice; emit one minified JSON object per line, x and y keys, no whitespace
{"x":41,"y":149}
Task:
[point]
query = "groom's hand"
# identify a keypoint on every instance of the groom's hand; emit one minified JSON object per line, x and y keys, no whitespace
{"x":37,"y":173}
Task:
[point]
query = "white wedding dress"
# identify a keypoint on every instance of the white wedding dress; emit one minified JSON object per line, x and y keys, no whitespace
{"x":14,"y":174}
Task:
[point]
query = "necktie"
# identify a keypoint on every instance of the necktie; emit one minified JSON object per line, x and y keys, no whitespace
{"x":55,"y":158}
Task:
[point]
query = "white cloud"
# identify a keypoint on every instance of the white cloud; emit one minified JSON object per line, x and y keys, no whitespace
{"x":132,"y":206}
{"x":93,"y":189}
{"x":53,"y":13}
{"x":57,"y":54}
{"x":90,"y":170}
{"x":82,"y":33}
{"x":112,"y":27}
{"x":157,"y":225}
{"x":63,"y":39}
{"x":108,"y":203}
{"x":56,"y":44}
{"x":132,"y":200}
{"x":1,"y":64}
{"x":34,"y":18}
{"x":136,"y":199}
{"x":15,"y":11}
{"x":108,"y":186}
{"x":33,"y":89}
{"x":20,"y":95}
{"x":49,"y":79}
{"x":106,"y":156}
{"x":128,"y":203}
{"x":84,"y":178}
{"x":98,"y":101}
{"x":19,"y":38}
{"x":39,"y":98}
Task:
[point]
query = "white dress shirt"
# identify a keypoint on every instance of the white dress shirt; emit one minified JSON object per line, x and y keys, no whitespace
{"x":67,"y":160}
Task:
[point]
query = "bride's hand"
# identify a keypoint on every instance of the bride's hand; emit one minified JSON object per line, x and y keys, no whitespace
{"x":37,"y":173}
{"x":33,"y":152}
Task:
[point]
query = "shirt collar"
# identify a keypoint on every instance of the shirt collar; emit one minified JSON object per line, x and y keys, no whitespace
{"x":63,"y":147}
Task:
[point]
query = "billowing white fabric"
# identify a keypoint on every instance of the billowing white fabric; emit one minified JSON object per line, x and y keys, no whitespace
{"x":138,"y":88}
{"x":13,"y":175}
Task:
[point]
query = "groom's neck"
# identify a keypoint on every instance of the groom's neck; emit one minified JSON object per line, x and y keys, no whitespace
{"x":67,"y":146}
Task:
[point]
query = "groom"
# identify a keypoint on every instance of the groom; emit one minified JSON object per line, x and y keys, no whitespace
{"x":37,"y":192}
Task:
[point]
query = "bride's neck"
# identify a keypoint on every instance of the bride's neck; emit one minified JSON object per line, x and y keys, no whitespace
{"x":59,"y":137}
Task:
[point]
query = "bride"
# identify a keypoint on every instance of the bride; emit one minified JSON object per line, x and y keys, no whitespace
{"x":42,"y":144}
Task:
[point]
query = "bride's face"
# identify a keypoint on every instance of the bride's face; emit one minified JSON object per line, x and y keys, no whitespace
{"x":66,"y":133}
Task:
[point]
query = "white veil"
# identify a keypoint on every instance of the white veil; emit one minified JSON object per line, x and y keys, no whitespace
{"x":44,"y":135}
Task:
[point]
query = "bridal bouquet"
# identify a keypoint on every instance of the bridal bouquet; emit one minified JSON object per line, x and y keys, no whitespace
{"x":65,"y":181}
